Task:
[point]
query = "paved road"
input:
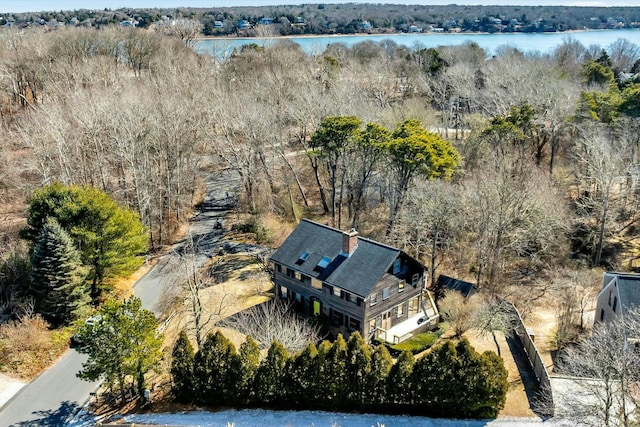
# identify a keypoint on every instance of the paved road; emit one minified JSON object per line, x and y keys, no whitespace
{"x":52,"y":398}
{"x":56,"y":395}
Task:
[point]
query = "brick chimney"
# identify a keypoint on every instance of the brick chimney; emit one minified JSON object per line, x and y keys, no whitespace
{"x":349,"y":241}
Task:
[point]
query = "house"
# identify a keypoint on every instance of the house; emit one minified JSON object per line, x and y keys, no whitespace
{"x":266,"y":21}
{"x":243,"y":24}
{"x":357,"y":284}
{"x":620,"y":293}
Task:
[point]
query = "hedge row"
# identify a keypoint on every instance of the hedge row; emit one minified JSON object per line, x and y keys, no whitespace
{"x":452,"y":380}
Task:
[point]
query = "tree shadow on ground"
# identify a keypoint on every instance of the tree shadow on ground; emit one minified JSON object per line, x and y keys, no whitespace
{"x":528,"y":377}
{"x":52,"y":418}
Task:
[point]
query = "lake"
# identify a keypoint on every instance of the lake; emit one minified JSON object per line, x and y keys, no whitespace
{"x":536,"y":42}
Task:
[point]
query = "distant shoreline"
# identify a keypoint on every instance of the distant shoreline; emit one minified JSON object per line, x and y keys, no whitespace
{"x":461,"y":33}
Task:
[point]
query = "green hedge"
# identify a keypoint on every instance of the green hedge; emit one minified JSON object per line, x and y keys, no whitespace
{"x":452,"y":380}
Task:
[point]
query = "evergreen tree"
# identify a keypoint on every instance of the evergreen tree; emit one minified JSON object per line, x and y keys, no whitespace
{"x":475,"y":384}
{"x":381,"y":363}
{"x":110,"y":239}
{"x":57,"y":277}
{"x":335,"y":364}
{"x":300,"y":382}
{"x":269,"y":381}
{"x":319,"y":380}
{"x":182,"y":375}
{"x":484,"y":382}
{"x":249,"y":361}
{"x":216,"y":370}
{"x":358,"y":368}
{"x":122,"y":341}
{"x":399,"y":380}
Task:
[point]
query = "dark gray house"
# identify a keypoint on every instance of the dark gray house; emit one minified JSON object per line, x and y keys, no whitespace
{"x":357,"y":283}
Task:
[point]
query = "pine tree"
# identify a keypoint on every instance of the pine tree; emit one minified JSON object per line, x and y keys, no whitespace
{"x":358,"y":369}
{"x":334,"y":373}
{"x":381,"y":363}
{"x":300,"y":382}
{"x":269,"y":381}
{"x":182,"y":369}
{"x":399,"y":380}
{"x":216,"y":369}
{"x":249,"y":361}
{"x":111,"y":240}
{"x":57,"y":278}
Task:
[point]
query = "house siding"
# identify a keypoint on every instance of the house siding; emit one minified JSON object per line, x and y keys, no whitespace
{"x":608,"y":302}
{"x":325,"y":295}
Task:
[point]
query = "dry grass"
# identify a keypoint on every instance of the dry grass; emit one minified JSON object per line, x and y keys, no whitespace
{"x":27,"y":346}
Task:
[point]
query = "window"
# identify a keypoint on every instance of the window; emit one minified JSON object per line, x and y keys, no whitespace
{"x":400,"y":310}
{"x":316,"y":284}
{"x":303,"y":258}
{"x":396,"y":266}
{"x":385,"y":293}
{"x":602,"y":315}
{"x":278,"y":268}
{"x":400,"y":286}
{"x":290,"y":273}
{"x":373,"y":299}
{"x":324,"y":262}
{"x":415,"y":279}
{"x":610,"y":299}
{"x":615,"y":304}
{"x":283,"y":292}
{"x":306,"y":279}
{"x":413,"y":306}
{"x":354,"y":324}
{"x":298,"y":276}
{"x":372,"y":325}
{"x":337,"y":317}
{"x":337,"y":291}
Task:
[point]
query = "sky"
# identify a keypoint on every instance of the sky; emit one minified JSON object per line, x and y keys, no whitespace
{"x":11,"y":6}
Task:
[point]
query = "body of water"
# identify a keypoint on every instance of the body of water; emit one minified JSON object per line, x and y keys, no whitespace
{"x":536,"y":42}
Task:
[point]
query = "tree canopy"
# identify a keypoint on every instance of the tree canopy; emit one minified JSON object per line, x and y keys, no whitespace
{"x":111,"y":239}
{"x":122,"y":342}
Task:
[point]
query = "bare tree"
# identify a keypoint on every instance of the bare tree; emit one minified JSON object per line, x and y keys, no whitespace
{"x":495,"y":316}
{"x":605,"y":173}
{"x":275,"y":321}
{"x":187,"y":30}
{"x":459,"y":311}
{"x":607,"y":367}
{"x":430,"y":221}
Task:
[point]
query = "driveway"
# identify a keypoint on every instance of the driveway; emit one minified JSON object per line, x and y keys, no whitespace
{"x":57,"y":394}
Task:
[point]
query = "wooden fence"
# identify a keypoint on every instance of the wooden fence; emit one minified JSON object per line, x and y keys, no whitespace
{"x":540,"y":371}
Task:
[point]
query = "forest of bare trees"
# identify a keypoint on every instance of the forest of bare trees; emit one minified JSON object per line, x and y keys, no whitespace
{"x":546,"y":170}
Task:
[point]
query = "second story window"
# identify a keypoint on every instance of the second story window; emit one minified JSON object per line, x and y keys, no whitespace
{"x":401,"y":286}
{"x":385,"y":293}
{"x":373,"y":299}
{"x":336,"y":291}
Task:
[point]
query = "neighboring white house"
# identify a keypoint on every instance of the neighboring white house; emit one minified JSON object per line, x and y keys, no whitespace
{"x":620,"y":293}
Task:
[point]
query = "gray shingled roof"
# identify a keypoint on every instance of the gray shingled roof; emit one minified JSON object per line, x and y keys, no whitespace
{"x":357,"y":274}
{"x":629,"y":290}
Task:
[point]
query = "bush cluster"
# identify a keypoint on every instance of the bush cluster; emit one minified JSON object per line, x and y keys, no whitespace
{"x":452,"y":380}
